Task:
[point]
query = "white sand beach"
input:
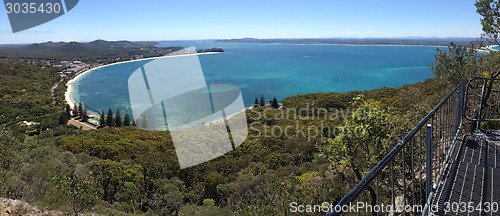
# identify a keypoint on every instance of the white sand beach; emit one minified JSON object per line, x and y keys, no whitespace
{"x":488,"y":48}
{"x":68,"y":95}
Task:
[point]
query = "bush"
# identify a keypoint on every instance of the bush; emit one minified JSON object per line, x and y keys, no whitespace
{"x":204,"y":210}
{"x":208,"y":202}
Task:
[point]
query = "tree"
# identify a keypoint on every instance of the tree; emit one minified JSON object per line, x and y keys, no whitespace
{"x":457,"y":64}
{"x":126,"y":120}
{"x":75,"y":110}
{"x":80,"y":109}
{"x":68,"y":110}
{"x":109,"y":118}
{"x":82,"y":194}
{"x":167,"y":196}
{"x":7,"y":150}
{"x":118,"y":118}
{"x":102,"y":120}
{"x":274,"y":103}
{"x":262,"y":101}
{"x":85,"y":116}
{"x":464,"y":63}
{"x":490,"y":21}
{"x":363,"y":141}
{"x":256,"y":101}
{"x":112,"y":175}
{"x":63,"y":118}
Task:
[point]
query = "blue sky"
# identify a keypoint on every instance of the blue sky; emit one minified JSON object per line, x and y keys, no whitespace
{"x":217,"y":19}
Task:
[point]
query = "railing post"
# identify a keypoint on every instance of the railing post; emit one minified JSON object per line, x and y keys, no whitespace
{"x":428,"y":177}
{"x":481,"y":105}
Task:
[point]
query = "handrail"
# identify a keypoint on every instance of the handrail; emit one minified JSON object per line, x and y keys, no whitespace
{"x":389,"y":158}
{"x":479,"y":117}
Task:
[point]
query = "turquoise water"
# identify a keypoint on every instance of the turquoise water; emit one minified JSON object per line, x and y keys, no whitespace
{"x":275,"y":70}
{"x":495,"y":48}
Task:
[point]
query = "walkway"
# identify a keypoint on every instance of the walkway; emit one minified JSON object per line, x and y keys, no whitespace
{"x":472,"y":177}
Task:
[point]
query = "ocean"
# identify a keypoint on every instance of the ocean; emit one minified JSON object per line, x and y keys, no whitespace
{"x":274,"y":70}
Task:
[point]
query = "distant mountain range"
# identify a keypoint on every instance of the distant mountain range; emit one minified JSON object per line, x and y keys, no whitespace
{"x":360,"y":41}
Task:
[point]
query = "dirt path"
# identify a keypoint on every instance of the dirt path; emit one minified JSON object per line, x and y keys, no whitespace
{"x":53,"y":89}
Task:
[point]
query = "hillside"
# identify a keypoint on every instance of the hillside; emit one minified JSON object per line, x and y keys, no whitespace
{"x":96,"y":51}
{"x":126,"y":170}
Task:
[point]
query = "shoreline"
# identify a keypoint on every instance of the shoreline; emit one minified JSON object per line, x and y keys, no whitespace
{"x":69,"y":91}
{"x":488,"y":48}
{"x":391,"y":45}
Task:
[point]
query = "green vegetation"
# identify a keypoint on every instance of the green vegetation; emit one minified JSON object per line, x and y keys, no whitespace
{"x":82,"y":194}
{"x":25,"y":100}
{"x":210,"y":50}
{"x":274,"y":103}
{"x":98,"y":51}
{"x":136,"y":171}
{"x":335,"y":139}
{"x":109,"y":118}
{"x":463,"y":62}
{"x":115,"y":120}
{"x":126,"y":120}
{"x":118,"y":119}
{"x":103,"y":120}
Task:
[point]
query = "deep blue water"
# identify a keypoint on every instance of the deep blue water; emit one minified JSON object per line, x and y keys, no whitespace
{"x":276,"y":70}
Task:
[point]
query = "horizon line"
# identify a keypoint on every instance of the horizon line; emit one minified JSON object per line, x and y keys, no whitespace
{"x":251,"y":38}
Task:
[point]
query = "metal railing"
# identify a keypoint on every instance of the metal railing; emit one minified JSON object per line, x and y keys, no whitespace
{"x":482,"y":102}
{"x":410,"y":174}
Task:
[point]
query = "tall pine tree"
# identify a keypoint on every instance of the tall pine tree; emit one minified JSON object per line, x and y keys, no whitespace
{"x":126,"y":120}
{"x":118,"y":118}
{"x":262,"y":101}
{"x":102,"y":121}
{"x":68,"y":110}
{"x":85,"y":116}
{"x":80,"y":109}
{"x":109,"y":118}
{"x":75,"y":110}
{"x":274,"y":103}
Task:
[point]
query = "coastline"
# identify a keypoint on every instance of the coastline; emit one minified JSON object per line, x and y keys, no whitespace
{"x":488,"y":48}
{"x":389,"y":45}
{"x":69,"y":91}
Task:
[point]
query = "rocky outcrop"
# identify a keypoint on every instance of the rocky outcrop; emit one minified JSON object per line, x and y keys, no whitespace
{"x":17,"y":207}
{"x":9,"y":207}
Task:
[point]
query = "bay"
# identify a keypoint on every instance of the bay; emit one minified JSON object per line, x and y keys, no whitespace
{"x":274,"y":70}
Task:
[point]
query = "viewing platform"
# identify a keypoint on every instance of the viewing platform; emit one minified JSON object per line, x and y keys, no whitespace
{"x":439,"y":168}
{"x":472,"y":176}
